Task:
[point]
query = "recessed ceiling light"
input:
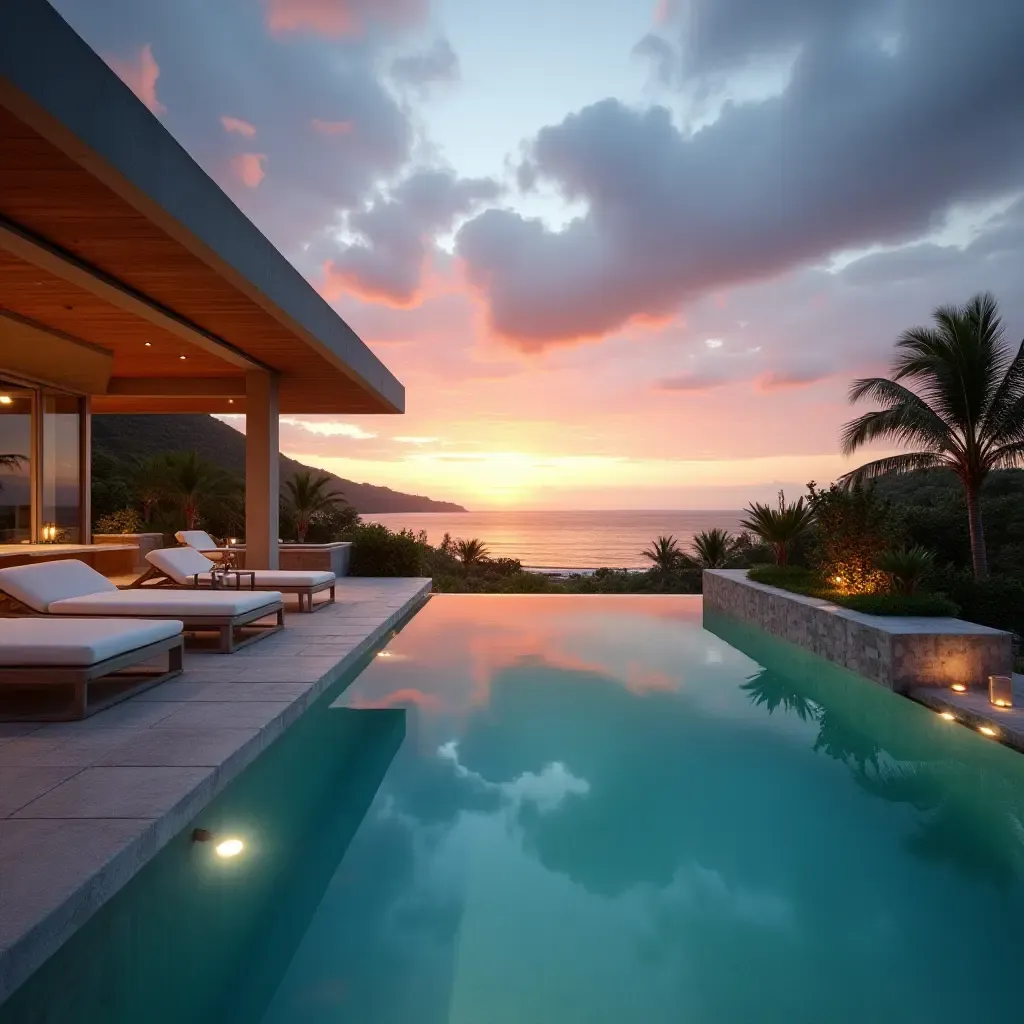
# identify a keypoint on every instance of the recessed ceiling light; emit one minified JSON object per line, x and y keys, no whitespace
{"x":231,"y":401}
{"x":149,"y":344}
{"x":6,"y":400}
{"x":181,"y":357}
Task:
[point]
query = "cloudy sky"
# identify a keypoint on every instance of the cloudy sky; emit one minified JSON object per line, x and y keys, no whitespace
{"x":622,"y":253}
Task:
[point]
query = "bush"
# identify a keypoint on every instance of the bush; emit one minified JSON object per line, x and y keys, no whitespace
{"x":900,"y":604}
{"x":125,"y":520}
{"x":810,"y":584}
{"x":850,"y":534}
{"x":997,"y":602}
{"x":376,"y":551}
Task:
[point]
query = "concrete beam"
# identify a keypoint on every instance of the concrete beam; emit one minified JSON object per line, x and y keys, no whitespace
{"x":262,"y":483}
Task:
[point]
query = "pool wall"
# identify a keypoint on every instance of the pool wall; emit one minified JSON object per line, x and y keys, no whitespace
{"x":897,"y":652}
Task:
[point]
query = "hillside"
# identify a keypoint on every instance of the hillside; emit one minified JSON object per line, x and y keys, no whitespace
{"x":126,"y":438}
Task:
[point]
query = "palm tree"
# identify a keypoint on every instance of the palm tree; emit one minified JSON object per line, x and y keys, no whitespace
{"x":665,"y":555}
{"x":779,"y":527}
{"x":713,"y":548}
{"x":307,"y":494}
{"x":150,"y":484}
{"x":906,"y":567}
{"x":956,"y":397}
{"x":192,"y":484}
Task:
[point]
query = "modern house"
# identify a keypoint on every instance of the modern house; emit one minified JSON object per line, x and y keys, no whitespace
{"x":129,"y":282}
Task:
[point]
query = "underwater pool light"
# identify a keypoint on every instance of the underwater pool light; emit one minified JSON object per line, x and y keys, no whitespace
{"x":225,"y":848}
{"x":948,"y":715}
{"x":987,"y":730}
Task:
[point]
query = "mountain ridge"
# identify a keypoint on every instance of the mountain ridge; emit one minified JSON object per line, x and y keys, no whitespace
{"x":125,"y":438}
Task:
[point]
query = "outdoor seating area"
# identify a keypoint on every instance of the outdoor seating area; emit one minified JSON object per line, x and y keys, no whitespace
{"x":188,"y":568}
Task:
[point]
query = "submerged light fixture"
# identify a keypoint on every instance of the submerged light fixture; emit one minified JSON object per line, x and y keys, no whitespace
{"x":947,"y":715}
{"x":225,"y":848}
{"x":986,"y":730}
{"x":1000,"y":691}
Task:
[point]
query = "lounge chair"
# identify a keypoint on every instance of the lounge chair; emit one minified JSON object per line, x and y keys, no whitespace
{"x":203,"y":542}
{"x":62,"y":671}
{"x":69,"y":587}
{"x":187,"y":567}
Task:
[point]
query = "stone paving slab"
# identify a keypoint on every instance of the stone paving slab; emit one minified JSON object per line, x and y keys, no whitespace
{"x":85,"y":805}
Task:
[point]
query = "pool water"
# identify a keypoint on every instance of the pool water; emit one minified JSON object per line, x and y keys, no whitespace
{"x":590,"y":810}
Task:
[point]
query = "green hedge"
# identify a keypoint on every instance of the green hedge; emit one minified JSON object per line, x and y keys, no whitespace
{"x":376,"y":551}
{"x":798,"y":580}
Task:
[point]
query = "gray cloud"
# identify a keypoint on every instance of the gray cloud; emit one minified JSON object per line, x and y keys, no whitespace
{"x":327,"y":129}
{"x":396,"y":232}
{"x":438,"y":63}
{"x":815,"y":324}
{"x":894,"y":112}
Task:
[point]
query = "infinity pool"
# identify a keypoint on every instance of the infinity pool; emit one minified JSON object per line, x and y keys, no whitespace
{"x":591,"y":810}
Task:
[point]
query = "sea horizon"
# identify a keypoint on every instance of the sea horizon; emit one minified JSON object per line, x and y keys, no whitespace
{"x":578,"y":539}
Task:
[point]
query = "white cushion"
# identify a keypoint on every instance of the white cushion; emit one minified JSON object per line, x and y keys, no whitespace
{"x":40,"y":584}
{"x":179,"y":563}
{"x":81,"y":642}
{"x":196,"y":539}
{"x":183,"y":604}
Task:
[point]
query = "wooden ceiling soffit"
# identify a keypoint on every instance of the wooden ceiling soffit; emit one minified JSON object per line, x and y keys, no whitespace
{"x":48,"y":257}
{"x":38,"y":353}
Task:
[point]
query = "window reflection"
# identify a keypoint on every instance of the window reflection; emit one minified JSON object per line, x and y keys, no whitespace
{"x":61,"y":470}
{"x":15,"y":464}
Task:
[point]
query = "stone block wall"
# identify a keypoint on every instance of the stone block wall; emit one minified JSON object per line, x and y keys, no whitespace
{"x":895,"y":652}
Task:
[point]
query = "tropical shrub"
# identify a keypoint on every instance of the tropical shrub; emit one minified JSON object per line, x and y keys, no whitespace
{"x":901,"y":604}
{"x":125,"y":520}
{"x":997,"y":602}
{"x":780,"y":527}
{"x":471,"y":553}
{"x":906,"y":567}
{"x":852,"y":528}
{"x":665,"y":553}
{"x":713,"y":549}
{"x":377,"y":551}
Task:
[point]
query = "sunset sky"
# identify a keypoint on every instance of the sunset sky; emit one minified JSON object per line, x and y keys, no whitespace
{"x":622,"y":255}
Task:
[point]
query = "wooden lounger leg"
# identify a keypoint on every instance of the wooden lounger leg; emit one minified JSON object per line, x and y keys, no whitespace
{"x":81,"y":698}
{"x":175,"y":659}
{"x":227,"y":638}
{"x":332,"y":594}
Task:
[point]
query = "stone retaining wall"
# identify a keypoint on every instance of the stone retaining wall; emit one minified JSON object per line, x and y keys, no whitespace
{"x":896,"y":652}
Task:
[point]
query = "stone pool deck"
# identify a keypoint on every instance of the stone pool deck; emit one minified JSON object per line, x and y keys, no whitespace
{"x":974,"y":710}
{"x":898,"y":652}
{"x":84,"y":805}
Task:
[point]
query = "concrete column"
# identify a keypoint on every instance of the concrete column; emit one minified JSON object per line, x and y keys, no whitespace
{"x":262,"y":487}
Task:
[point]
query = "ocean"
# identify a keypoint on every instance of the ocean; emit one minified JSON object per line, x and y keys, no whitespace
{"x":564,"y":540}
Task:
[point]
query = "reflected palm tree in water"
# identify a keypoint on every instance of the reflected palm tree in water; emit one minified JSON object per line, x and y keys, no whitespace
{"x":968,"y":813}
{"x":772,"y":691}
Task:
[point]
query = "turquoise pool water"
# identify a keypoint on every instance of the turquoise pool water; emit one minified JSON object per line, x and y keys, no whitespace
{"x":591,"y":810}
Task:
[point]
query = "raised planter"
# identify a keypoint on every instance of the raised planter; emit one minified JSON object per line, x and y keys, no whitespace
{"x":333,"y":557}
{"x":898,"y":652}
{"x":144,"y":542}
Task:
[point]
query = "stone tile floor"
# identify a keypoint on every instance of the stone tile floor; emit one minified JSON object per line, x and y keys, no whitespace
{"x":84,"y":805}
{"x":974,"y":710}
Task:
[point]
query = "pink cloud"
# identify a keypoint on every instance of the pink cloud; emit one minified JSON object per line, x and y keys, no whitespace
{"x":337,"y":281}
{"x":248,"y":168}
{"x":341,"y":17}
{"x":780,"y":380}
{"x":238,"y":126}
{"x":140,"y":73}
{"x":664,"y":11}
{"x":333,"y":127}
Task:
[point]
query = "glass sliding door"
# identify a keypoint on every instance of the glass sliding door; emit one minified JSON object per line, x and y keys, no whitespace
{"x":61,"y":470}
{"x":16,"y":450}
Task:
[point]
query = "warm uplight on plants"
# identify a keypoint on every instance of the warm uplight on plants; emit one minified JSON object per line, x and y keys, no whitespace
{"x":1000,"y":691}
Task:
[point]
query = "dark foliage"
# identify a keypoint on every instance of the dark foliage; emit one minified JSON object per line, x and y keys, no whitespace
{"x":378,"y":551}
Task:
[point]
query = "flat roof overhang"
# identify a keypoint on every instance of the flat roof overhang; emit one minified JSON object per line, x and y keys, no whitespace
{"x":112,"y":238}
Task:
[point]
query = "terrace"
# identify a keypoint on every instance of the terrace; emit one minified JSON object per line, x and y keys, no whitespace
{"x":130,"y":283}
